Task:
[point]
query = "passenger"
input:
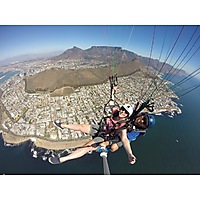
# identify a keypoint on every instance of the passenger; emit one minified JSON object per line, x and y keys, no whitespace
{"x":106,"y":131}
{"x":139,"y":127}
{"x":112,"y":132}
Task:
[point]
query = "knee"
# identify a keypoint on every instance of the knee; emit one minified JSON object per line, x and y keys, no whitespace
{"x":88,"y":149}
{"x":84,"y":128}
{"x":106,"y":143}
{"x":114,"y":147}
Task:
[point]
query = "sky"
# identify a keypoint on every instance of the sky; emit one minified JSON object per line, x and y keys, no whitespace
{"x":176,"y":44}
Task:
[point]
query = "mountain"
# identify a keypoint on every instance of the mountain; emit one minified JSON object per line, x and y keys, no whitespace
{"x":99,"y":53}
{"x":62,"y":81}
{"x":115,"y":56}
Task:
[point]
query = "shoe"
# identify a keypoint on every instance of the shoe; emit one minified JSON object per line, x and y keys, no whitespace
{"x":58,"y":125}
{"x":54,"y":160}
{"x":102,"y":148}
{"x":89,"y":152}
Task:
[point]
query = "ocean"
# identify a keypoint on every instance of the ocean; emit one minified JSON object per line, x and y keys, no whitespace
{"x":172,"y":147}
{"x":7,"y":75}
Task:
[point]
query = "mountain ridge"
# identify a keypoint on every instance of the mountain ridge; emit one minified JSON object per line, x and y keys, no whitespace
{"x":115,"y":56}
{"x":59,"y":79}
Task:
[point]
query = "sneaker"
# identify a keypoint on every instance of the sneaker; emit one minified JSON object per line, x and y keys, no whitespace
{"x":89,"y":152}
{"x":101,"y":149}
{"x":58,"y":124}
{"x":54,"y":160}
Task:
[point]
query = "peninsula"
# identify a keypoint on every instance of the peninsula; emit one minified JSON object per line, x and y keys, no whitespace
{"x":32,"y":99}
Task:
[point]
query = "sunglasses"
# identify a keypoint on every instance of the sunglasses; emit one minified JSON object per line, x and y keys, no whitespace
{"x":123,"y":109}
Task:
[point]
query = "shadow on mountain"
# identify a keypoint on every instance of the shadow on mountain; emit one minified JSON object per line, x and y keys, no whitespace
{"x":64,"y":81}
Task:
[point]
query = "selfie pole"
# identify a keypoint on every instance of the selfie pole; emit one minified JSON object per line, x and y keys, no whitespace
{"x":103,"y":154}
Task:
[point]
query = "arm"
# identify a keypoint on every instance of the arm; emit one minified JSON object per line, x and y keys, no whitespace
{"x":112,"y":104}
{"x":112,"y":96}
{"x":127,"y":147}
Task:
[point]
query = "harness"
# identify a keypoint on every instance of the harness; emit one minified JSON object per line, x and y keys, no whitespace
{"x":108,"y":128}
{"x":129,"y":123}
{"x":113,"y":131}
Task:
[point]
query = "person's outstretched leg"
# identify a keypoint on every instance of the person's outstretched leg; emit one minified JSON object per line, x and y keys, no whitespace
{"x":76,"y":154}
{"x":85,"y":128}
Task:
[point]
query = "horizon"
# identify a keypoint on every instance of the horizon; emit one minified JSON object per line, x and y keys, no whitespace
{"x":50,"y":54}
{"x":155,"y":41}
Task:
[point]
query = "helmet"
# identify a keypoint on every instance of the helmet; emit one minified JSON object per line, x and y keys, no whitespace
{"x":151,"y":120}
{"x":128,"y":108}
{"x":147,"y":121}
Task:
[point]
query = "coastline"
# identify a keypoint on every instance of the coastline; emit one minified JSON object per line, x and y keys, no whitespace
{"x":43,"y":143}
{"x":12,"y":138}
{"x":9,"y":135}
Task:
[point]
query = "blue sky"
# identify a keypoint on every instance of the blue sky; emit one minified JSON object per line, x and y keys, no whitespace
{"x":142,"y":39}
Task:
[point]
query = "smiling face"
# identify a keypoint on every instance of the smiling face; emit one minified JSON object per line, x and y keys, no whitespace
{"x":123,"y":112}
{"x":140,"y":121}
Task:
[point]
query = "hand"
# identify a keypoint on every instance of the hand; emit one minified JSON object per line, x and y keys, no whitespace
{"x":115,"y":88}
{"x":132,"y":159}
{"x":104,"y":144}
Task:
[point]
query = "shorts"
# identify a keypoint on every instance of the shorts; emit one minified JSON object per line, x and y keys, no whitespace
{"x":94,"y":132}
{"x":119,"y":144}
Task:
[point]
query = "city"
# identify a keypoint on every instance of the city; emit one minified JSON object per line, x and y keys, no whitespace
{"x":32,"y":115}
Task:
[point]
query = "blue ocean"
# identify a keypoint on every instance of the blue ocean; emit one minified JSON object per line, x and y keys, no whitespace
{"x":172,"y":147}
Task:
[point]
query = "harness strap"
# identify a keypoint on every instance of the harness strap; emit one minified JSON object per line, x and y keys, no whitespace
{"x":113,"y":82}
{"x":147,"y":104}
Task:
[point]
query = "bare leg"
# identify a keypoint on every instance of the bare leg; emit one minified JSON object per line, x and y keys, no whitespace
{"x":114,"y":147}
{"x":79,"y":152}
{"x":78,"y":127}
{"x":76,"y":154}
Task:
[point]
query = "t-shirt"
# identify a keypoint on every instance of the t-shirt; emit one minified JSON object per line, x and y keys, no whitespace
{"x":132,"y":135}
